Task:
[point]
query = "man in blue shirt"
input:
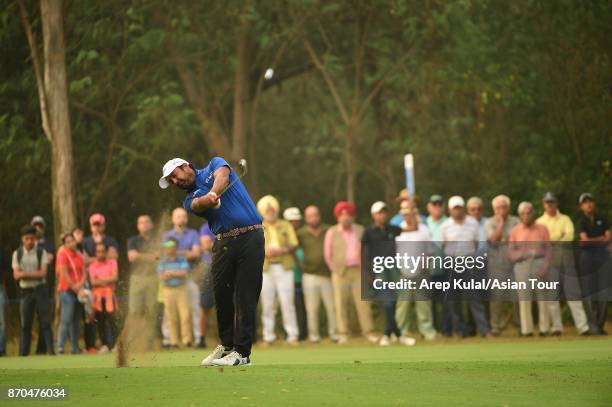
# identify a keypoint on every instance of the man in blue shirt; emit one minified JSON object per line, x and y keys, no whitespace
{"x":238,"y":251}
{"x":173,"y":271}
{"x":188,"y":246}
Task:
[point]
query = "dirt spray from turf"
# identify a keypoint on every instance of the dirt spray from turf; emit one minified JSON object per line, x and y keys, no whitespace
{"x":138,"y":341}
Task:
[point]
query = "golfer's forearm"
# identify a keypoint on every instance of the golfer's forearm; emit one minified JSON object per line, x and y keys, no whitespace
{"x":221,"y":180}
{"x":200,"y":204}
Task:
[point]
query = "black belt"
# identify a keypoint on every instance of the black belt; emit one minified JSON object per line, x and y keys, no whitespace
{"x":238,"y":231}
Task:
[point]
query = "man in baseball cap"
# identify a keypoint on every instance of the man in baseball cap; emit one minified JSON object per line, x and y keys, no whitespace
{"x":585,"y":196}
{"x":38,"y":220}
{"x":379,"y":240}
{"x":237,"y":265}
{"x":168,"y":169}
{"x":460,"y":236}
{"x":41,"y":240}
{"x":594,"y":233}
{"x":561,"y":229}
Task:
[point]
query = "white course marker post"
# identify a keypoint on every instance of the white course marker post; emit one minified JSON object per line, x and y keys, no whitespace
{"x":409,"y":169}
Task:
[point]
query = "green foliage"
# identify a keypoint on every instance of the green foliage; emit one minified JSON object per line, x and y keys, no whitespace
{"x":491,"y":97}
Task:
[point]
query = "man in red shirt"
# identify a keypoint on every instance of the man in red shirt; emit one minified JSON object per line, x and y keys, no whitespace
{"x":71,"y":280}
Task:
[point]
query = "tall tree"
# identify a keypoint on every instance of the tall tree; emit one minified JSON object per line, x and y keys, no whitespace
{"x":53,"y":100}
{"x":340,"y":54}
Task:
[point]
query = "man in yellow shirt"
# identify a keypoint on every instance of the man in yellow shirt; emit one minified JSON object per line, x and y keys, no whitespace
{"x":561,"y":229}
{"x":281,"y":243}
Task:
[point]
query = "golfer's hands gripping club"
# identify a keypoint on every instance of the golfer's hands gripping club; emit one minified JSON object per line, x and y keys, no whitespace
{"x":210,"y":200}
{"x":215,"y":200}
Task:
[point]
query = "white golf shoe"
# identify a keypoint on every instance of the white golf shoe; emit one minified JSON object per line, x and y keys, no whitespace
{"x":232,"y":359}
{"x":217,"y":353}
{"x":408,"y":341}
{"x":372,"y":338}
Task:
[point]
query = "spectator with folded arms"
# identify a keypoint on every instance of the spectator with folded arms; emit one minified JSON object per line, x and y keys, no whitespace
{"x":103,"y":275}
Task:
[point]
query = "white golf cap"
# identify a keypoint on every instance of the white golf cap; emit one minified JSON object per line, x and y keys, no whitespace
{"x":455,"y":201}
{"x":167,"y":170}
{"x":291,"y":214}
{"x":377,"y":207}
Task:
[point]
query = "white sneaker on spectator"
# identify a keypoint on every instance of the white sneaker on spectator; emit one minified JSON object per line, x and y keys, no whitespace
{"x":217,"y":353}
{"x":103,"y":349}
{"x":408,"y":341}
{"x":385,"y":341}
{"x":232,"y":359}
{"x":372,"y":338}
{"x":342,"y":340}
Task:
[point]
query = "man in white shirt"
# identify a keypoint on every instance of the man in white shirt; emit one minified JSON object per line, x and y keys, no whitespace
{"x":460,"y":236}
{"x":415,"y":240}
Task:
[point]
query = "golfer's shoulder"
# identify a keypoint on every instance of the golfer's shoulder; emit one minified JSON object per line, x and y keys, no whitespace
{"x":216,"y":163}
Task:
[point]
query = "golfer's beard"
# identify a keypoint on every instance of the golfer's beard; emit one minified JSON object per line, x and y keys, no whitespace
{"x":186,"y":187}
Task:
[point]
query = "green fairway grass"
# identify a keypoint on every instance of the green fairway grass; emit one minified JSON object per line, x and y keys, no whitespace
{"x":565,"y":372}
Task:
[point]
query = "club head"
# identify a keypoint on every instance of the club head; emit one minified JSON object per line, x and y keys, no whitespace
{"x":242,"y":166}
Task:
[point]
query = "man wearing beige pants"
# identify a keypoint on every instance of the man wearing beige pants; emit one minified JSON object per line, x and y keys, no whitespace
{"x":316,"y":280}
{"x":497,"y":229}
{"x":529,"y":249}
{"x":561,"y":229}
{"x":342,"y":251}
{"x":173,"y":271}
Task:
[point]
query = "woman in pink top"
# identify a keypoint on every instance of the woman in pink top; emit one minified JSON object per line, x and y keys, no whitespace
{"x":103,"y":275}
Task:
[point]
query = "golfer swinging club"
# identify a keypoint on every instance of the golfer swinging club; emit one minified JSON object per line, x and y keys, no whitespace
{"x":238,"y":251}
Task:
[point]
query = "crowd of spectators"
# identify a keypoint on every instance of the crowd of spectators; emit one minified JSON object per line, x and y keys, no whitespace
{"x":308,"y":265}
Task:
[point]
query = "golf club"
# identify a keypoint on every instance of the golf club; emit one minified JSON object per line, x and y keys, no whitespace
{"x":241,"y":171}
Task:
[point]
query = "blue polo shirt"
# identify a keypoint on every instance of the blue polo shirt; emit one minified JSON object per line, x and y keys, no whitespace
{"x":177,"y":264}
{"x":185,"y":240}
{"x":237,"y":208}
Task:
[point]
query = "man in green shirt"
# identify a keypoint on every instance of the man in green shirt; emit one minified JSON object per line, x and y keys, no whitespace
{"x":316,"y":278}
{"x":435,"y":209}
{"x":293,"y":216}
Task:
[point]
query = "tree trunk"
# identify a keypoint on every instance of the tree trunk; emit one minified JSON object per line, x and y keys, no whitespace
{"x":350,"y":164}
{"x":55,"y":89}
{"x":241,"y":93}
